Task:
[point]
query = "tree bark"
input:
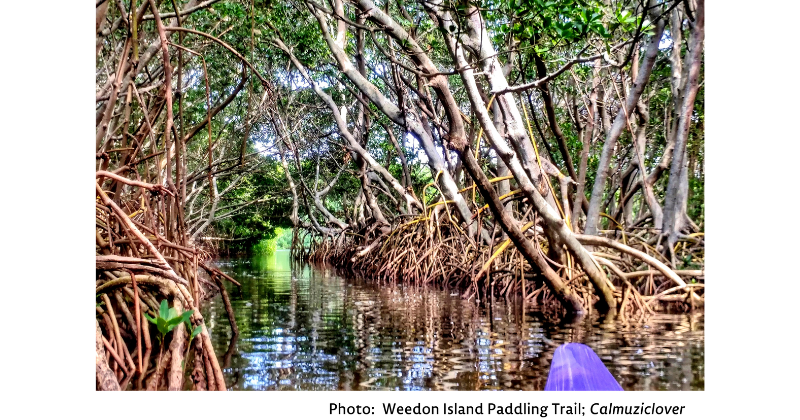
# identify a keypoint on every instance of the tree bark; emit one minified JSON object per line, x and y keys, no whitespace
{"x":557,"y":227}
{"x":105,"y":376}
{"x":175,"y":376}
{"x":620,"y":122}
{"x":588,"y":133}
{"x":675,"y":201}
{"x":448,"y":185}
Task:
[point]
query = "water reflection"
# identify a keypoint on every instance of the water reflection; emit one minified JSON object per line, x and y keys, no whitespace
{"x":304,"y":328}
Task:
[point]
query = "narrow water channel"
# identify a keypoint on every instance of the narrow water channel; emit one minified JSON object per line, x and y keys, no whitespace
{"x":307,"y":328}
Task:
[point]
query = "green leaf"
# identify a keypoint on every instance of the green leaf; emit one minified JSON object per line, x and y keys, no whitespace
{"x":529,"y":32}
{"x":186,"y":317}
{"x":163,"y":312}
{"x":151,"y":319}
{"x":197,"y":330}
{"x":163,"y":328}
{"x":172,"y":323}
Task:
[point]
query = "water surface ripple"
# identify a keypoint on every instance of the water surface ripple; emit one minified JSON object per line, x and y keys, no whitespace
{"x":307,"y":328}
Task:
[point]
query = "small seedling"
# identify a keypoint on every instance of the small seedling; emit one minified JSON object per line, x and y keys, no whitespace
{"x":167,"y":318}
{"x":194,"y":333}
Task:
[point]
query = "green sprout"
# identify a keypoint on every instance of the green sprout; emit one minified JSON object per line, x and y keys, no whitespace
{"x":168,"y":318}
{"x":194,"y":333}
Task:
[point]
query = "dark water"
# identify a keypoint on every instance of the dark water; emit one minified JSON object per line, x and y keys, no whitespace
{"x":310,"y":329}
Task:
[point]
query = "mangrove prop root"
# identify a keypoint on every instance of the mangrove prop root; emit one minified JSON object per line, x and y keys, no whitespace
{"x":228,"y":308}
{"x":161,"y":364}
{"x":176,"y":348}
{"x":433,"y":250}
{"x":198,"y":375}
{"x":113,"y":353}
{"x":142,"y":259}
{"x":105,"y":376}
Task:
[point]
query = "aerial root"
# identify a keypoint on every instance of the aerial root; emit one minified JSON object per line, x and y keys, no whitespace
{"x":140,"y":261}
{"x":432,"y":251}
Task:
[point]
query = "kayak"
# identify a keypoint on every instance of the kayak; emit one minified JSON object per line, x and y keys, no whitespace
{"x":576,"y":367}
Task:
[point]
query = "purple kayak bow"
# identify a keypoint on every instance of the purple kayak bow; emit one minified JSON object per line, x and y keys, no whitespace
{"x":576,"y":367}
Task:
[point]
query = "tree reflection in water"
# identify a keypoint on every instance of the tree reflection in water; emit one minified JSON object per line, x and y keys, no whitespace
{"x":308,"y":328}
